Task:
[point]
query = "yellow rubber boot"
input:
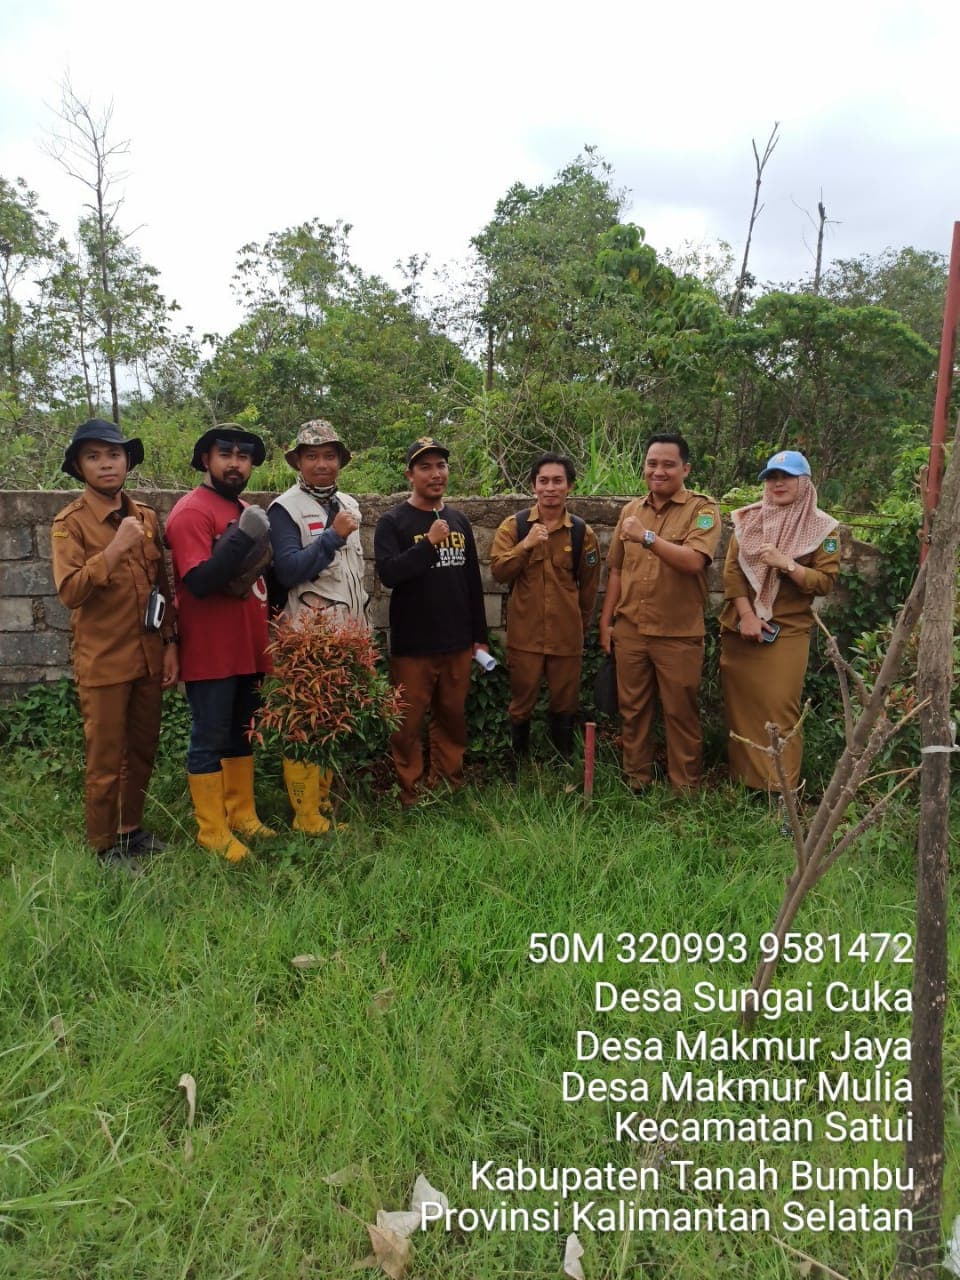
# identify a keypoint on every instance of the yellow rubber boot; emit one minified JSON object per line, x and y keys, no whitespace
{"x":238,"y":798}
{"x":304,"y":787}
{"x":206,"y":791}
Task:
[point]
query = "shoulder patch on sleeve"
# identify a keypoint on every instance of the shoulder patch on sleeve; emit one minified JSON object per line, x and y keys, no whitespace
{"x":592,"y":557}
{"x":830,"y":545}
{"x":59,"y":533}
{"x":706,"y":520}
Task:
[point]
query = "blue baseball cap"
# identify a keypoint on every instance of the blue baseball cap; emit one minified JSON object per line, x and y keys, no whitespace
{"x":789,"y":461}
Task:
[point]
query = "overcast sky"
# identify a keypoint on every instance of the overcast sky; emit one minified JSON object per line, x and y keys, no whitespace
{"x":410,"y":120}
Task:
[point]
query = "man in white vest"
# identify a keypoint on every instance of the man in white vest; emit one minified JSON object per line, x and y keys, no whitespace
{"x":317,"y":558}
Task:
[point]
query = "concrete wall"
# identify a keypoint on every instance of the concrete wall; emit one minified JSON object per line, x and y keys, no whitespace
{"x":35,"y":628}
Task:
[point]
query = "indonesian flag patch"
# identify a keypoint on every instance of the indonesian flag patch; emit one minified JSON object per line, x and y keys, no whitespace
{"x":315,"y":527}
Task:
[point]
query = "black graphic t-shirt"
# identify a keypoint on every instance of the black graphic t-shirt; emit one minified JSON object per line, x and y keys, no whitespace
{"x":437,"y":600}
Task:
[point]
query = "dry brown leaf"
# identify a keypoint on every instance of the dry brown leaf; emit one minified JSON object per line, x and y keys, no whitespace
{"x":393,"y":1252}
{"x":306,"y":962}
{"x":59,"y":1031}
{"x":383,"y":961}
{"x":403,"y":1222}
{"x":104,"y":1129}
{"x":382,"y":1001}
{"x":423,"y":1193}
{"x":189,"y":1086}
{"x":349,"y":1173}
{"x":571,"y":1258}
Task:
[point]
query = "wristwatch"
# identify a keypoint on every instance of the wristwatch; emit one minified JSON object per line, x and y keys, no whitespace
{"x":649,"y":538}
{"x":790,"y":567}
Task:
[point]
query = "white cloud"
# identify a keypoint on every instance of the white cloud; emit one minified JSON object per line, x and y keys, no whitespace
{"x":411,"y":120}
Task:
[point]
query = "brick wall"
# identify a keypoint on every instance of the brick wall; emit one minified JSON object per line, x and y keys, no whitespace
{"x":35,"y":627}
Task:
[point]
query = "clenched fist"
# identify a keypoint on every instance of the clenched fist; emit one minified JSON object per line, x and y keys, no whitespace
{"x":344,"y":524}
{"x":537,"y":534}
{"x":438,"y":531}
{"x":129,"y":534}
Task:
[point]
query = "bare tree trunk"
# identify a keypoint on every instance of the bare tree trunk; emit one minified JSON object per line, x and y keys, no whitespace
{"x":86,"y":153}
{"x":736,"y":301}
{"x":819,"y":260}
{"x":919,"y":1249}
{"x":488,"y":384}
{"x":82,"y":339}
{"x":107,"y":305}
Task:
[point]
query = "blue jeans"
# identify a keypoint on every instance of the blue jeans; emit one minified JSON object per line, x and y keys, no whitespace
{"x":221,"y":713}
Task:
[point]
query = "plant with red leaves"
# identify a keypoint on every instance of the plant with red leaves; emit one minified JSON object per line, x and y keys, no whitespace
{"x":325,"y":689}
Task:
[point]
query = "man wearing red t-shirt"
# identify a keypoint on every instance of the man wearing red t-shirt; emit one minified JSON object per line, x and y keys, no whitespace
{"x":220,"y":548}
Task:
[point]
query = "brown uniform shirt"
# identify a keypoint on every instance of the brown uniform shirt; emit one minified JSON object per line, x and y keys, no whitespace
{"x":548,"y":612}
{"x":110,"y":645}
{"x":656,"y":599}
{"x":793,"y":607}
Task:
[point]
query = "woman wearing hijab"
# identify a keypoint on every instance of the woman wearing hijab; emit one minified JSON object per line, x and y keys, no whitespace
{"x":784,"y":551}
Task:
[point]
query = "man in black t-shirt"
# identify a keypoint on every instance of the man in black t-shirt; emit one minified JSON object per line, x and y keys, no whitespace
{"x":426,"y":554}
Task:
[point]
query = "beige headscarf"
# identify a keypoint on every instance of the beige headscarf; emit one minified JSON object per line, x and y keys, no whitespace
{"x":796,"y":529}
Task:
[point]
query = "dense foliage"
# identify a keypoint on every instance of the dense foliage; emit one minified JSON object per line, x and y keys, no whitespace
{"x":565,"y":330}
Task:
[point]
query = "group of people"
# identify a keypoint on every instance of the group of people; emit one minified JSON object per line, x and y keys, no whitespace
{"x":133,"y":636}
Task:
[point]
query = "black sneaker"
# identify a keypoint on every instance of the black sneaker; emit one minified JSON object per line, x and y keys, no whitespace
{"x":116,"y":858}
{"x":141,"y":841}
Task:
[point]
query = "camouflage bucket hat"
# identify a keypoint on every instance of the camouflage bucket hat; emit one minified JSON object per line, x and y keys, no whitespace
{"x":317,"y":432}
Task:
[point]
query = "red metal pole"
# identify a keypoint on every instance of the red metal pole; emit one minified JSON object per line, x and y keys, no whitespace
{"x":938,"y":437}
{"x":589,"y":753}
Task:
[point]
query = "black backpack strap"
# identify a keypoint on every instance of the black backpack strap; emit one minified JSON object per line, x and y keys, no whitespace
{"x":576,"y":542}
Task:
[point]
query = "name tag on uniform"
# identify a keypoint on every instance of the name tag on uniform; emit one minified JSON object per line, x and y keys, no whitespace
{"x":315,"y":528}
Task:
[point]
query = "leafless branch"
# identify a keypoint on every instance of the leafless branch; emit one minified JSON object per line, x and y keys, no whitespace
{"x":760,"y":163}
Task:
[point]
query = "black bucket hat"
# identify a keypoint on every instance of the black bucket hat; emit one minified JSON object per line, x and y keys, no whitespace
{"x":227,"y":431}
{"x":104,"y":433}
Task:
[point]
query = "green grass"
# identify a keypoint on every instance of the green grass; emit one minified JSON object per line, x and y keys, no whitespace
{"x":422,"y":1040}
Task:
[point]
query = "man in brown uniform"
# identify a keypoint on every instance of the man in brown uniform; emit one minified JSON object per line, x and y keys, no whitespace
{"x":107,"y":556}
{"x":656,"y":591}
{"x":551,"y":560}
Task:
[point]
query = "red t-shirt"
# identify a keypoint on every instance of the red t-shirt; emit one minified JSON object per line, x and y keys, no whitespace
{"x":221,"y":635}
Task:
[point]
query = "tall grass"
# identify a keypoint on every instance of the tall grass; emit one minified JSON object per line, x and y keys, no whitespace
{"x":418,"y":1039}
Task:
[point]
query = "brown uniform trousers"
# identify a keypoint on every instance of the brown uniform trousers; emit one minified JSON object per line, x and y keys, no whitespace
{"x":658,"y":636}
{"x":668,"y":667}
{"x":548,"y":611}
{"x":526,"y":672}
{"x":121,"y":726}
{"x":436,"y":683}
{"x":764,"y":682}
{"x":118,"y":665}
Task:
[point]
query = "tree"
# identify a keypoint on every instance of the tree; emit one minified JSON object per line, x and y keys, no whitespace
{"x":83,"y":147}
{"x":28,"y":245}
{"x":744,"y":279}
{"x":105,"y":292}
{"x":321,"y":338}
{"x":537,"y":260}
{"x":911,"y":282}
{"x":836,"y":381}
